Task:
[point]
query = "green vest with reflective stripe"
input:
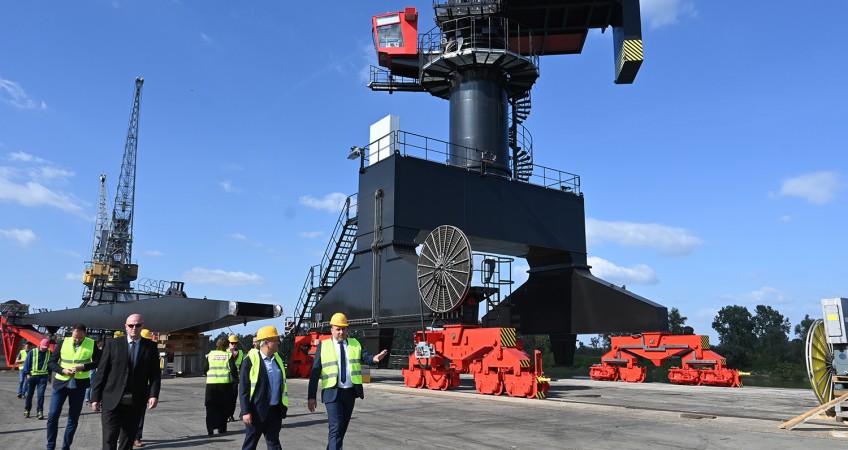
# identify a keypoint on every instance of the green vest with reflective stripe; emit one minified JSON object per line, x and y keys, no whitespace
{"x":330,"y":362}
{"x":69,"y":358}
{"x":239,"y":359}
{"x":21,"y":356}
{"x":219,"y":367}
{"x":255,"y":363}
{"x":39,"y":369}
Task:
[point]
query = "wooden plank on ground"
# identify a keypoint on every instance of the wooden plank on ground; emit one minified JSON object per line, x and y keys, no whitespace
{"x":790,"y":424}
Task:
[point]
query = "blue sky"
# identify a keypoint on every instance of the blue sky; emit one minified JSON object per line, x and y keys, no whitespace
{"x":717,"y":178}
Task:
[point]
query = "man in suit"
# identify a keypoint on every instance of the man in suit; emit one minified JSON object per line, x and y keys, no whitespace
{"x":127,"y":381}
{"x":72,"y":362}
{"x":338,"y":364}
{"x":263,"y":392}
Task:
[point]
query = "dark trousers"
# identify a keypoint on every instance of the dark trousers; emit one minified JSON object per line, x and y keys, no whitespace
{"x":270,"y":428}
{"x":120,"y":422}
{"x":22,"y":382}
{"x":235,"y":387}
{"x":35,"y":382}
{"x":57,"y":402}
{"x":338,"y":415}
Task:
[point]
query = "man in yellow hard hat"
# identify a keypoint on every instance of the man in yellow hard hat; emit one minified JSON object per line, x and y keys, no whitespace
{"x":263,"y":393}
{"x":338,"y":364}
{"x":238,"y":356}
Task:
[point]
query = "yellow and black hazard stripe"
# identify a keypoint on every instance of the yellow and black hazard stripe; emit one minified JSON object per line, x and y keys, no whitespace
{"x":524,"y":362}
{"x":705,"y":342}
{"x":508,"y":337}
{"x":631,"y":50}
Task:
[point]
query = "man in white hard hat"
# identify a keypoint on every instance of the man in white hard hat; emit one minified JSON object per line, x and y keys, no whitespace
{"x":263,"y":392}
{"x":338,"y":364}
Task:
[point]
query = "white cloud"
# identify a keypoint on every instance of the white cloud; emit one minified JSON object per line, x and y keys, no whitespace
{"x":238,"y":236}
{"x":815,"y":187}
{"x":519,"y":274}
{"x":229,"y":187}
{"x":638,"y":274}
{"x":765,"y":295}
{"x":206,"y":38}
{"x":46,"y":173}
{"x":32,"y":193}
{"x":658,"y":13}
{"x":670,"y":241}
{"x":786,"y":218}
{"x":220,"y":277}
{"x":25,"y":157}
{"x":369,"y":58}
{"x":266,"y":295}
{"x":331,"y":202}
{"x":13,"y":94}
{"x":154,"y":253}
{"x":310,"y":234}
{"x":24,"y":237}
{"x":73,"y":276}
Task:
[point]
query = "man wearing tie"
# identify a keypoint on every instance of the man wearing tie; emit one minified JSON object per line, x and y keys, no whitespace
{"x":71,"y":362}
{"x":338,"y":364}
{"x":127,"y":381}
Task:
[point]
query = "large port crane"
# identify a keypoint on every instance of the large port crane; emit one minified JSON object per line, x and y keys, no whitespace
{"x":98,"y":247}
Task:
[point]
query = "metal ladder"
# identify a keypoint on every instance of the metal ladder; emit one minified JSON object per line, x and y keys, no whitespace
{"x":520,"y":140}
{"x":322,"y":277}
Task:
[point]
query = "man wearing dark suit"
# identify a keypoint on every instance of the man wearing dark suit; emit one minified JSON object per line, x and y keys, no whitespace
{"x":127,"y":381}
{"x":263,"y":392}
{"x":338,"y":364}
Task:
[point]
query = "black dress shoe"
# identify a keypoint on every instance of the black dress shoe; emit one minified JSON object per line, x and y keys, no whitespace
{"x":209,"y":431}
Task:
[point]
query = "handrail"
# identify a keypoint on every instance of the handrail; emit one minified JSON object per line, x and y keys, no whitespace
{"x":439,"y":151}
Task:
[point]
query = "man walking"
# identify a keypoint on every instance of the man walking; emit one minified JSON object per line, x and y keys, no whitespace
{"x":37,"y":372}
{"x":19,"y":364}
{"x":338,"y":364}
{"x":263,"y":393}
{"x":238,"y":356}
{"x":127,"y":381}
{"x":71,"y":363}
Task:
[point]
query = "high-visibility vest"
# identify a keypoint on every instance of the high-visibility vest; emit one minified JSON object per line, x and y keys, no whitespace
{"x":69,"y":358}
{"x":239,"y":358}
{"x":22,"y":358}
{"x":255,"y":363}
{"x":39,"y":369}
{"x":330,"y":362}
{"x":219,"y":367}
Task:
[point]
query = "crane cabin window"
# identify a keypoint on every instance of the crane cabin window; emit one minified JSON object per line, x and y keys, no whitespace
{"x":388,"y":32}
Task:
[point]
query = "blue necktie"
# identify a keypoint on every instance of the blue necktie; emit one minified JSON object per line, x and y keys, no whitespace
{"x":343,"y":369}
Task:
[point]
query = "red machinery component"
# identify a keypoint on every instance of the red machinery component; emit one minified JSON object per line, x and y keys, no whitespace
{"x":495,"y":357}
{"x":396,"y":39}
{"x":699,"y":364}
{"x":13,"y":337}
{"x":303,"y":354}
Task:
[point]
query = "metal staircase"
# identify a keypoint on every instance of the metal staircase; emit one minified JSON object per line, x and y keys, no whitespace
{"x":323,"y":276}
{"x":520,"y":140}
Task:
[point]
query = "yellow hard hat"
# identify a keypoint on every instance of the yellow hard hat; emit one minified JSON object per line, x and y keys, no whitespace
{"x":267,"y":332}
{"x":233,"y":339}
{"x":118,"y":334}
{"x":145,"y":333}
{"x":339,"y":320}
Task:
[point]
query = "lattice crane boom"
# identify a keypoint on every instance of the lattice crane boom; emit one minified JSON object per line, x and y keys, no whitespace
{"x":119,"y":249}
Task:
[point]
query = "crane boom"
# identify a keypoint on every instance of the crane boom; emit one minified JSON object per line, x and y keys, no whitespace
{"x":119,"y":248}
{"x":97,"y":267}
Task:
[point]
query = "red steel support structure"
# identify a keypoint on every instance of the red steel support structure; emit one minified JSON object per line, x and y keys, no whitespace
{"x":699,"y":364}
{"x":13,"y":336}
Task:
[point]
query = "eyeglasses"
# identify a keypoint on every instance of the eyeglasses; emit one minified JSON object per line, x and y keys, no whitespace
{"x":135,"y":325}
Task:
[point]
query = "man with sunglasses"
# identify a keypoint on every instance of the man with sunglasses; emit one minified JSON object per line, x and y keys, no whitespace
{"x":127,"y":381}
{"x":71,"y":362}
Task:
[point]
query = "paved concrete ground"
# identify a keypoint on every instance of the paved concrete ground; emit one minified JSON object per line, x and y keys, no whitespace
{"x":580,"y":414}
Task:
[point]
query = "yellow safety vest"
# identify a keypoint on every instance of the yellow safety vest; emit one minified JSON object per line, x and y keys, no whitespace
{"x":239,"y":358}
{"x":37,"y":369}
{"x":69,"y":358}
{"x":219,"y":367}
{"x":330,"y":362}
{"x":255,"y":363}
{"x":21,"y":357}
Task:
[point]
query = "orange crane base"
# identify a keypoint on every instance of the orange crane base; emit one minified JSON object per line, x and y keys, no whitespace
{"x":699,"y":364}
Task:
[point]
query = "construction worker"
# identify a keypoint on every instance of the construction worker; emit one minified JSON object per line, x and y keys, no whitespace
{"x":71,"y":363}
{"x":19,"y":363}
{"x":338,"y":365}
{"x":263,"y":393}
{"x":238,"y":356}
{"x":37,"y":374}
{"x":220,"y":368}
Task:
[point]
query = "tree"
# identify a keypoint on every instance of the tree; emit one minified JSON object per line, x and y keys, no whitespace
{"x":803,"y":328}
{"x":676,"y":323}
{"x":736,"y":337}
{"x":770,"y":326}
